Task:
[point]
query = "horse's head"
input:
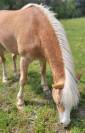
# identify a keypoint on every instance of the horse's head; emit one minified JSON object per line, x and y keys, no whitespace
{"x":64,"y":111}
{"x":63,"y":99}
{"x":66,"y":96}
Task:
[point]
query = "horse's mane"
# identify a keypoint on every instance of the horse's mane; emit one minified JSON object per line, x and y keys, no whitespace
{"x":70,"y":94}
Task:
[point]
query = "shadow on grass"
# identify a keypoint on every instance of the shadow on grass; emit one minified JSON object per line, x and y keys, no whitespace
{"x":78,"y":121}
{"x":33,"y":80}
{"x":35,"y":83}
{"x":37,"y":102}
{"x":78,"y":115}
{"x":12,"y":80}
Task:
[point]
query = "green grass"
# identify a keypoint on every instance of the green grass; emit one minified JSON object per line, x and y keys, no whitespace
{"x":40,"y":115}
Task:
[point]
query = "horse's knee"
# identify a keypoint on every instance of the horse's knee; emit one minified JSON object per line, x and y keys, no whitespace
{"x":23,"y":70}
{"x":23,"y":81}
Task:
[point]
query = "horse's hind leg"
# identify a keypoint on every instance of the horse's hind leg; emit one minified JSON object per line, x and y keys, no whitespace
{"x":4,"y":69}
{"x":14,"y":56}
{"x":43,"y":77}
{"x":23,"y":78}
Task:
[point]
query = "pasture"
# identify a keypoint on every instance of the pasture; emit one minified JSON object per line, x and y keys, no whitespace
{"x":40,"y":114}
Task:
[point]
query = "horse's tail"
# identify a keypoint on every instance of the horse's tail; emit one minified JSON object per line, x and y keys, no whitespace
{"x":70,"y":94}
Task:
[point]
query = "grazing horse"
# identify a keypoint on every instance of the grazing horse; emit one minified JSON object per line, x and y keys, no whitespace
{"x":33,"y":32}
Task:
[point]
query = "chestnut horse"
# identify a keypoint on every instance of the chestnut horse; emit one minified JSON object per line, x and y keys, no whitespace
{"x":33,"y":32}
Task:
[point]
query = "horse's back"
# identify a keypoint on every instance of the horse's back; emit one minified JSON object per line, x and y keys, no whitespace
{"x":25,"y":30}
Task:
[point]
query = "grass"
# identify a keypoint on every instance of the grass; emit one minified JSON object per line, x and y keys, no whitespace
{"x":40,"y":115}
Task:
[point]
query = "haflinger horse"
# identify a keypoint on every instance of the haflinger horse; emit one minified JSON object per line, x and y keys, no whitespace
{"x":33,"y":32}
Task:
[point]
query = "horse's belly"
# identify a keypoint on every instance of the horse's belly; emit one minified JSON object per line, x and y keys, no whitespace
{"x":11,"y":47}
{"x":9,"y":43}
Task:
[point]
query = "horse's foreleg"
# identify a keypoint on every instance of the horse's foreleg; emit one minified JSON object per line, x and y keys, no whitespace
{"x":4,"y":70}
{"x":14,"y":56}
{"x":23,"y":78}
{"x":43,"y":77}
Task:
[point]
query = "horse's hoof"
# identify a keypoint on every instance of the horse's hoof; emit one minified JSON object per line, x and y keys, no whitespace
{"x":5,"y":81}
{"x":20,"y":107}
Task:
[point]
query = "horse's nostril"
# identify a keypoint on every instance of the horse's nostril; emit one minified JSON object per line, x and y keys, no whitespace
{"x":64,"y":124}
{"x":61,"y":123}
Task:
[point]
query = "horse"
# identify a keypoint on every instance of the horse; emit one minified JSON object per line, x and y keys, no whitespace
{"x":33,"y":32}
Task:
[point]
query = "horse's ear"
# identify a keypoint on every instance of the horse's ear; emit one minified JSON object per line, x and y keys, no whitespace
{"x":59,"y":84}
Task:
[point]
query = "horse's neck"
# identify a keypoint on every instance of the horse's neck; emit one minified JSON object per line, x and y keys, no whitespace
{"x":53,"y":54}
{"x":55,"y":61}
